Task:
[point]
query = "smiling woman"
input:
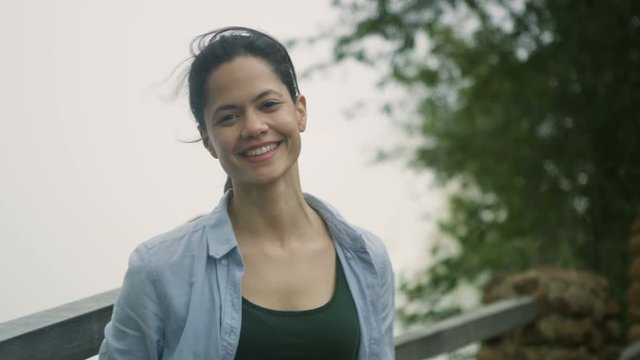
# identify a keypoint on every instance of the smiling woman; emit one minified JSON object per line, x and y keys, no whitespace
{"x":252,"y":124}
{"x":271,"y":272}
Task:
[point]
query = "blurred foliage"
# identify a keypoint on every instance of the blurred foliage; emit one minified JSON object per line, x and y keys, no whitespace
{"x":530,"y":111}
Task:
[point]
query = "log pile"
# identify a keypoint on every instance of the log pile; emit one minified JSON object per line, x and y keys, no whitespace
{"x":633,"y":308}
{"x":576,"y":317}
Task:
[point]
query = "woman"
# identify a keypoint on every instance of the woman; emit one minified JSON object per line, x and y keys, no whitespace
{"x":271,"y":272}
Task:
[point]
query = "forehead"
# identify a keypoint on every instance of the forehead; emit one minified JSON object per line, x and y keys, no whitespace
{"x":240,"y":79}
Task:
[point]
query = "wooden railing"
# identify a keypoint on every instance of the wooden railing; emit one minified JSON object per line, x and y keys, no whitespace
{"x":469,"y":328}
{"x":75,"y":330}
{"x":71,"y":331}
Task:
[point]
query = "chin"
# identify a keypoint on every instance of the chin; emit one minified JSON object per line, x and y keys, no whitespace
{"x":270,"y":177}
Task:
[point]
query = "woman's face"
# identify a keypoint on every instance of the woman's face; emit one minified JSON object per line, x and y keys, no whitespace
{"x":252,"y":125}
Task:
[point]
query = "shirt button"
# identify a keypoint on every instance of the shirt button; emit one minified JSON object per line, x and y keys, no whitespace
{"x":349,"y":256}
{"x":224,"y":261}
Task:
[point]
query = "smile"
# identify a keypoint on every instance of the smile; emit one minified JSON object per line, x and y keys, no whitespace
{"x":260,"y":150}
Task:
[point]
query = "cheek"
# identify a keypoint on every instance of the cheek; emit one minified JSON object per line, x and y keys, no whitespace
{"x":221,"y":144}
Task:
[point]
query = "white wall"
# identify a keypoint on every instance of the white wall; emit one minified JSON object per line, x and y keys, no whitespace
{"x":91,"y":162}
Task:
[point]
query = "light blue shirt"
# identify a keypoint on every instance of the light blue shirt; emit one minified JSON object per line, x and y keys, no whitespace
{"x":181,"y":297}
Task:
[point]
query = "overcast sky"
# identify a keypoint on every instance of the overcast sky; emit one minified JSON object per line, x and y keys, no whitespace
{"x":92,"y":160}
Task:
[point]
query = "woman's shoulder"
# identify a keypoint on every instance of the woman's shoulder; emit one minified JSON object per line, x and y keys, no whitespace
{"x":172,"y":244}
{"x":372,"y":241}
{"x":353,"y":236}
{"x":181,"y":242}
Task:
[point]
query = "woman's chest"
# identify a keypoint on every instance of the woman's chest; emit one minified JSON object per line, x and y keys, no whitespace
{"x":295,"y":280}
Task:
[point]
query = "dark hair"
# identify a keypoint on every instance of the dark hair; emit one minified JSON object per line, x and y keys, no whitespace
{"x":220,"y":46}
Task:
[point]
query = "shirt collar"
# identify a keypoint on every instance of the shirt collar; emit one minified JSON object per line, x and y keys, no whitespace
{"x":221,"y":239}
{"x":341,"y":231}
{"x":220,"y":236}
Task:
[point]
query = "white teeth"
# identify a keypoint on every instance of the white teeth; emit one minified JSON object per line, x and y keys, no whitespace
{"x":261,"y":150}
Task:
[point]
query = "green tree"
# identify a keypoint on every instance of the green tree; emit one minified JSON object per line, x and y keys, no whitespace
{"x":531,"y":111}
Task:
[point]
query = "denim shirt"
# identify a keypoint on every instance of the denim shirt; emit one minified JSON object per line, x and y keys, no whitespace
{"x":182,"y":297}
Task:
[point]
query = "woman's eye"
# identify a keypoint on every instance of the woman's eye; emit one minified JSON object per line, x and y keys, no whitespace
{"x":270,"y":104}
{"x":226,"y":118}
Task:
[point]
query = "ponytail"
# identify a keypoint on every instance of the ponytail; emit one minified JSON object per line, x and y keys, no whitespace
{"x":228,"y":184}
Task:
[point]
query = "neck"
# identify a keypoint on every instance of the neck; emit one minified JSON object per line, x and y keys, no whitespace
{"x":274,"y":211}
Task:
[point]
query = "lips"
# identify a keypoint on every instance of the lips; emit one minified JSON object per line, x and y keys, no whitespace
{"x":261,"y":152}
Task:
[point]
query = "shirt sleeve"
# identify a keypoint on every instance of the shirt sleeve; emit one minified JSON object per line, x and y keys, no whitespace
{"x":387,"y":295}
{"x":386,"y":277}
{"x":135,"y":330}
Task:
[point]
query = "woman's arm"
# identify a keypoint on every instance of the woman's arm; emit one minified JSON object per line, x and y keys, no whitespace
{"x":135,"y":330}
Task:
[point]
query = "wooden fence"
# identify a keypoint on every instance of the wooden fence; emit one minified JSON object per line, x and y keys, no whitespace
{"x":75,"y":330}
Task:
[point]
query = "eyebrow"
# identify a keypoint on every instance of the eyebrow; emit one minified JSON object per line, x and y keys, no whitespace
{"x":256,"y":98}
{"x":265,"y":93}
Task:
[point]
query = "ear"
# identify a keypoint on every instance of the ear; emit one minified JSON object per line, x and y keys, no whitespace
{"x":207,"y":142}
{"x":301,"y":112}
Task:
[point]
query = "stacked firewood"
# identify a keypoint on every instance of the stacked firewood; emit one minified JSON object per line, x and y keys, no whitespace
{"x":633,"y":309}
{"x":576,"y":317}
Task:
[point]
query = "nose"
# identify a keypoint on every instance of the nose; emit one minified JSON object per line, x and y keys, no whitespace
{"x":254,"y":125}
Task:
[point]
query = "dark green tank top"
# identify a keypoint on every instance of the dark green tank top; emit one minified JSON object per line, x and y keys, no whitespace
{"x":331,"y":331}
